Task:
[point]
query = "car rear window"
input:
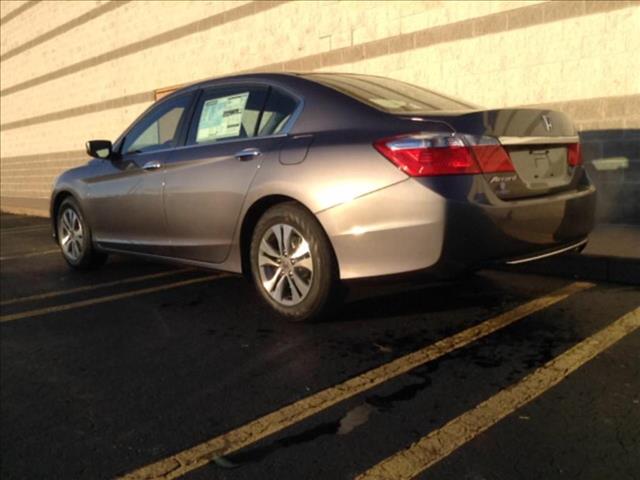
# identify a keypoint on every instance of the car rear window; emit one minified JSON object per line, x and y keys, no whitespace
{"x":389,"y":95}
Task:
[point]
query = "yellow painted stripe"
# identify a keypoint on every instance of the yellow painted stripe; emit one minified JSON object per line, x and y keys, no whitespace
{"x":199,"y":455}
{"x":32,"y":254}
{"x":85,"y":288}
{"x":411,"y":462}
{"x":108,"y":298}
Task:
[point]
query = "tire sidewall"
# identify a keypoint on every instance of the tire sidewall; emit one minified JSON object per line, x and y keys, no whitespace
{"x":324,"y":275}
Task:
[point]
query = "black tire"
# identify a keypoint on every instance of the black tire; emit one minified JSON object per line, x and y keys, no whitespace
{"x":323,"y":285}
{"x":88,"y":257}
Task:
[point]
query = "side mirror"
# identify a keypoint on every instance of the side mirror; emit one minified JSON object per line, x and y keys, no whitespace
{"x":99,"y":149}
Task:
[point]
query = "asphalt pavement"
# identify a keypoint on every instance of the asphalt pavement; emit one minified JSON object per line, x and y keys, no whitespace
{"x":149,"y":370}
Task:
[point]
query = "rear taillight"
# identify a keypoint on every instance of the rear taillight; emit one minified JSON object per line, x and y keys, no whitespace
{"x":424,"y":155}
{"x":574,"y":155}
{"x":491,"y":157}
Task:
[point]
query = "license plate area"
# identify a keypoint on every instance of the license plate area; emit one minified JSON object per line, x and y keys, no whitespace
{"x":541,"y":167}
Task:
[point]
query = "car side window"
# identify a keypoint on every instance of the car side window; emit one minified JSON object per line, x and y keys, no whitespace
{"x":227,"y":113}
{"x":159,"y":129}
{"x":277,"y":112}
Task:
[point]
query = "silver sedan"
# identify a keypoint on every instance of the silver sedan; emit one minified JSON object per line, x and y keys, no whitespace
{"x":304,"y":181}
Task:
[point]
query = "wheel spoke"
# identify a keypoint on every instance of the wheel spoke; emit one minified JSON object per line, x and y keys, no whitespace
{"x":277,"y":232}
{"x":286,"y":238}
{"x":266,"y":260}
{"x":71,"y":217}
{"x":295,"y":294}
{"x":270,"y":283}
{"x":65,"y":220}
{"x":305,"y":262}
{"x":279,"y":288}
{"x":267,"y":249}
{"x":302,"y":286}
{"x":301,"y":250}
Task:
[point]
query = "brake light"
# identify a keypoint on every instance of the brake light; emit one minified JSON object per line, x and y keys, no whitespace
{"x":424,"y":155}
{"x":492,"y":158}
{"x":574,"y":155}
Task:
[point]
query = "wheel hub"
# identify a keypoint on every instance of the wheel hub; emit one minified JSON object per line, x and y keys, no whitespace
{"x":286,"y":265}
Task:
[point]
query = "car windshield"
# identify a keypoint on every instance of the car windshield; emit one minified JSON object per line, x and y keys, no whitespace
{"x":389,"y":95}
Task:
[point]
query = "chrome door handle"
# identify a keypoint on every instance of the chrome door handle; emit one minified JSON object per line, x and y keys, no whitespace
{"x":248,"y":153}
{"x":152,"y":165}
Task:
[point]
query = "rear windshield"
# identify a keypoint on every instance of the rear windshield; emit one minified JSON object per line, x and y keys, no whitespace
{"x":389,"y":95}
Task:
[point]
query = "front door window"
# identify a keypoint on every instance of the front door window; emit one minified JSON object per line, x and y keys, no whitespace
{"x":159,"y":129}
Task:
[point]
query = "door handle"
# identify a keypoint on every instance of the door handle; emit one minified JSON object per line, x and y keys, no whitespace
{"x":152,"y":165}
{"x":248,"y":153}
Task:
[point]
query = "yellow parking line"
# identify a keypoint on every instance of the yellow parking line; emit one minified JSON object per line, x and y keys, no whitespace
{"x":108,"y":298}
{"x":440,"y":443}
{"x":32,"y":254}
{"x":85,"y":288}
{"x":199,"y":455}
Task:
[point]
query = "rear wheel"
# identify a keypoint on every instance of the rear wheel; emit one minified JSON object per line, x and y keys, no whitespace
{"x":74,"y":237}
{"x":292,"y":263}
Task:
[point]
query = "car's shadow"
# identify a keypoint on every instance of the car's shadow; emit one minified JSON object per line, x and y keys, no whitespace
{"x":379,"y":301}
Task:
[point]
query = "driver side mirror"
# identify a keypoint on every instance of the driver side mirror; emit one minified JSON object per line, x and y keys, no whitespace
{"x":99,"y":149}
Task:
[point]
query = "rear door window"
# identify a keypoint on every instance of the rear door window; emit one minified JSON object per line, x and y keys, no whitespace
{"x":278,"y":112}
{"x":227,"y":113}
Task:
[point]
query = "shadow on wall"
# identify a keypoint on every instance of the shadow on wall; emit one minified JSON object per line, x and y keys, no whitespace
{"x":612,"y":158}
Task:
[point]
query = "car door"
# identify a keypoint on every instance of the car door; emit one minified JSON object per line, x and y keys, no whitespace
{"x":125,"y":197}
{"x":207,"y":180}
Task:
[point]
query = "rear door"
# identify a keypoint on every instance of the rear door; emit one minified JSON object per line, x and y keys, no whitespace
{"x":207,"y":180}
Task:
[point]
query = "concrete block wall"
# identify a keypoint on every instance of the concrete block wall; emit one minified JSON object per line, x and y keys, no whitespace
{"x":71,"y":71}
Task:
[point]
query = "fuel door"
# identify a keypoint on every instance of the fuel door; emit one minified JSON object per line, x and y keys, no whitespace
{"x":295,"y":148}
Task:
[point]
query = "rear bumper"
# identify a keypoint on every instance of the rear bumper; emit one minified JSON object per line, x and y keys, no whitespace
{"x":477,"y":235}
{"x":444,"y":226}
{"x":572,"y":247}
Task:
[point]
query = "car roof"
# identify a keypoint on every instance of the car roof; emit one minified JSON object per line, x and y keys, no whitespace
{"x":287,"y":77}
{"x":264,"y":76}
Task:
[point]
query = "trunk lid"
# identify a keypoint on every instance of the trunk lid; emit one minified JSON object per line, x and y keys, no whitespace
{"x":536,"y":141}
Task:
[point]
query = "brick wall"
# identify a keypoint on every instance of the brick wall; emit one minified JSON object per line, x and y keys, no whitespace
{"x":71,"y":71}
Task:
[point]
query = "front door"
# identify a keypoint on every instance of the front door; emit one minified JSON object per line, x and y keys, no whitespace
{"x":125,"y":197}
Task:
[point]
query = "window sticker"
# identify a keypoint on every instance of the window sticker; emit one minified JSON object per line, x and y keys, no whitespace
{"x":221,"y":117}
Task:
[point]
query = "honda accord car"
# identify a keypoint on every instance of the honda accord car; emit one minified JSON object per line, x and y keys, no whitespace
{"x":304,"y":181}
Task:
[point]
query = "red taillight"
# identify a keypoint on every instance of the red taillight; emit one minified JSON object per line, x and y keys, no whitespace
{"x":423,"y":155}
{"x":574,"y":155}
{"x":492,"y":158}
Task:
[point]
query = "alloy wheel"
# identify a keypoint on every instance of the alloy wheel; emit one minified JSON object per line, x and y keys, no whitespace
{"x":71,"y":234}
{"x":285,"y":264}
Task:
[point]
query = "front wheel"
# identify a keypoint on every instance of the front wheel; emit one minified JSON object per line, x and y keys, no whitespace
{"x":292,"y":263}
{"x":74,"y":237}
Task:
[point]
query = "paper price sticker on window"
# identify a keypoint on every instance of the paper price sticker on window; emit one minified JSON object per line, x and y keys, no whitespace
{"x":221,"y":117}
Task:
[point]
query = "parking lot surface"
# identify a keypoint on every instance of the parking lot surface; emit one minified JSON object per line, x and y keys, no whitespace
{"x":147,"y":370}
